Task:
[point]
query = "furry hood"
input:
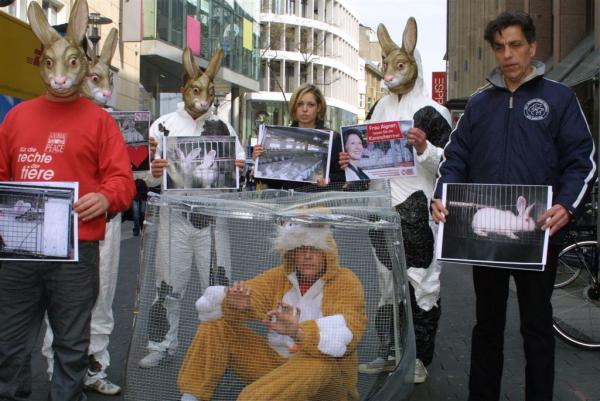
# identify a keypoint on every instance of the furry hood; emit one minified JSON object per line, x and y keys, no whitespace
{"x":295,"y":235}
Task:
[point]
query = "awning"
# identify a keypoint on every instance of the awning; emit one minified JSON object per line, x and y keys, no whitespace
{"x":586,"y":70}
{"x":582,"y":64}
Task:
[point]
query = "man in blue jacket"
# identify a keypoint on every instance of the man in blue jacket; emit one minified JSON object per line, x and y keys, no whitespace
{"x":519,"y":129}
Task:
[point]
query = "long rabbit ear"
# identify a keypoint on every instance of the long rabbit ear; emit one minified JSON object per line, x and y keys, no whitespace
{"x":521,"y":205}
{"x":409,"y":37}
{"x":189,"y":63}
{"x":78,"y":21}
{"x":214,"y":64}
{"x":90,"y":53}
{"x":528,"y":209}
{"x":194,"y":154}
{"x":109,"y":47}
{"x":40,"y":26}
{"x":386,"y":43}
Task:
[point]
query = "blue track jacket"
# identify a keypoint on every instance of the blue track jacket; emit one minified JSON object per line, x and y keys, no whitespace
{"x":536,"y":135}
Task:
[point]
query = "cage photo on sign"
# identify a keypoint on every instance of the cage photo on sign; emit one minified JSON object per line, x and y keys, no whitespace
{"x":198,"y":162}
{"x":36,"y":222}
{"x":135,"y":127}
{"x":284,"y":303}
{"x":494,"y":225}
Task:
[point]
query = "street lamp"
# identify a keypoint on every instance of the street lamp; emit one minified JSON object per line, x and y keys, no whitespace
{"x":94,"y":20}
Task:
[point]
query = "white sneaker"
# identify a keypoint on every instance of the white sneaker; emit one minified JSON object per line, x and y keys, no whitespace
{"x":152,"y":360}
{"x":420,"y":372}
{"x":188,"y":397}
{"x":104,"y":386}
{"x":377,"y":366}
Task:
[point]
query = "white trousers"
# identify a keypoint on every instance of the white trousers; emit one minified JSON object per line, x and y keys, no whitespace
{"x":102,"y":315}
{"x":180,"y":244}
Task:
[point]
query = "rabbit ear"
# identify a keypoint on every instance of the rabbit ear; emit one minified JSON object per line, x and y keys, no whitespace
{"x":386,"y":43}
{"x":179,"y":153}
{"x":194,"y":153}
{"x":109,"y":47}
{"x":528,"y":209}
{"x":409,"y":38}
{"x":40,"y":26}
{"x":214,"y":64}
{"x":90,"y":53}
{"x":78,"y":21}
{"x":189,"y":63}
{"x":521,"y":205}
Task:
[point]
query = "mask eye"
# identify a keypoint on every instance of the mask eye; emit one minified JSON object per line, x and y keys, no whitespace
{"x":95,"y":78}
{"x":73,"y":62}
{"x":384,"y":66}
{"x":49,"y":63}
{"x":195,"y":91}
{"x":400,"y":66}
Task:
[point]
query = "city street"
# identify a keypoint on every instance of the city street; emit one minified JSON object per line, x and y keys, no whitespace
{"x":577,"y":372}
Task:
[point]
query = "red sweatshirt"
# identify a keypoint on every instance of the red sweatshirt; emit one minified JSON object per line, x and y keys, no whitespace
{"x":41,"y":140}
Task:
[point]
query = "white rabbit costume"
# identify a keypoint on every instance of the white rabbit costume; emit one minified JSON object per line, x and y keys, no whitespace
{"x":186,"y":242}
{"x":406,"y":102}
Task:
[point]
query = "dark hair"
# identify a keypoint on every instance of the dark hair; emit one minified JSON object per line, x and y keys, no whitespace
{"x":507,"y":19}
{"x":354,"y":131}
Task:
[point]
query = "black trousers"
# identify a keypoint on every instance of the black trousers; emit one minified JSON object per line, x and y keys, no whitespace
{"x":534,"y":292}
{"x":68,"y":291}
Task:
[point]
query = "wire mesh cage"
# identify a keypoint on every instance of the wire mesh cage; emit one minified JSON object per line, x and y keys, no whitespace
{"x":495,"y":223}
{"x":35,"y":222}
{"x":194,"y":338}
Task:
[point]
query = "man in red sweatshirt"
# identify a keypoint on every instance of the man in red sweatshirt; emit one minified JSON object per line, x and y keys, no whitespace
{"x":59,"y":136}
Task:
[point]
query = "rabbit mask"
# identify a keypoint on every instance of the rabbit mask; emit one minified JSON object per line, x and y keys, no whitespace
{"x":97,"y":85}
{"x":399,"y":66}
{"x":199,"y":90}
{"x":63,"y":63}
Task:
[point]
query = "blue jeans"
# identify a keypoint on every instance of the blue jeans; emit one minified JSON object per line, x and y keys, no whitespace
{"x":68,"y":292}
{"x":138,"y":208}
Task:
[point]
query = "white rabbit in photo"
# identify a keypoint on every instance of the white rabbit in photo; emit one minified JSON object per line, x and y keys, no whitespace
{"x":206,"y":172}
{"x":187,"y":166}
{"x":504,"y":222}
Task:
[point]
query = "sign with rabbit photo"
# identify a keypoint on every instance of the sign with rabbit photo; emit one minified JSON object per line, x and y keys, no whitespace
{"x":197,"y":162}
{"x":494,"y":225}
{"x":135,"y":126}
{"x":378,"y":150}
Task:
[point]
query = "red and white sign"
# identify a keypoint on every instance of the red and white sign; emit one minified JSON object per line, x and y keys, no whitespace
{"x":438,"y":86}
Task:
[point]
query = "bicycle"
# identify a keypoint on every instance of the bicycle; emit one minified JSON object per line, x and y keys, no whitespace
{"x":576,"y":296}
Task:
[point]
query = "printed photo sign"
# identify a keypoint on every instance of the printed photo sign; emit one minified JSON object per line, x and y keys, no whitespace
{"x":135,"y":127}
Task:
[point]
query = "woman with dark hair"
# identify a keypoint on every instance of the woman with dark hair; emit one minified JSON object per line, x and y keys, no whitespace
{"x":354,"y":147}
{"x":307,"y":108}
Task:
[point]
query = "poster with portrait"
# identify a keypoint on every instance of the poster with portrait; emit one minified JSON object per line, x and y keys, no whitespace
{"x":37,"y":222}
{"x":378,"y":150}
{"x":494,"y":225}
{"x":135,"y":127}
{"x":293,"y":154}
{"x":200,"y":162}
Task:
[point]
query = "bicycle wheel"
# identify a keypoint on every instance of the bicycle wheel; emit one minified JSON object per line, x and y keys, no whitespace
{"x":577,"y":305}
{"x":568,"y":267}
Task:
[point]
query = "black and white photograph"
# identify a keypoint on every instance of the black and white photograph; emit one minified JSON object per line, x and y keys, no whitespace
{"x":293,"y":154}
{"x":378,"y":150}
{"x":200,"y":162}
{"x":36,"y":221}
{"x":494,"y":225}
{"x":135,"y":126}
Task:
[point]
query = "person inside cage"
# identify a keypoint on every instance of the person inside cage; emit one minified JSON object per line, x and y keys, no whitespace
{"x":315,"y":314}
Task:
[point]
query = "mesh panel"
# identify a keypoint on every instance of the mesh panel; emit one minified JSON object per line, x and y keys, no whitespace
{"x":215,"y":349}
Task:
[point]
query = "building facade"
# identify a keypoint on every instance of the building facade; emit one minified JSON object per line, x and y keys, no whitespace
{"x":314,"y":41}
{"x":370,"y":55}
{"x":568,"y":42}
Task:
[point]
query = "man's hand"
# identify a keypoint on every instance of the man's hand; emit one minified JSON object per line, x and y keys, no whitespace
{"x":554,"y":218}
{"x":240,"y":163}
{"x":238,"y":296}
{"x":438,"y":211}
{"x":153,"y":145}
{"x":91,"y":205}
{"x":284,"y":319}
{"x":344,"y":160}
{"x":157,"y":167}
{"x":257,"y":151}
{"x":417,"y":138}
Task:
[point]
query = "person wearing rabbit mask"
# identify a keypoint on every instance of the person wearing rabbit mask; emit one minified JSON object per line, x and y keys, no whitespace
{"x":532,"y":131}
{"x":187,"y":240}
{"x":71,"y":139}
{"x":97,"y":86}
{"x":407,"y":99}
